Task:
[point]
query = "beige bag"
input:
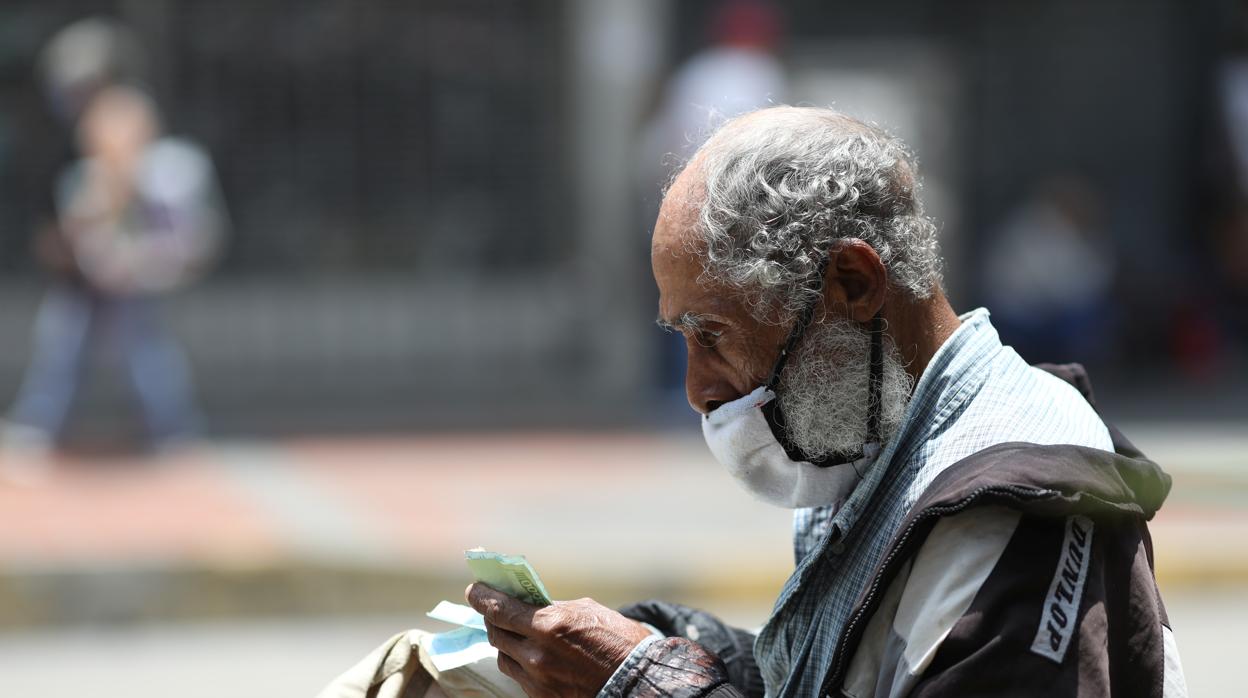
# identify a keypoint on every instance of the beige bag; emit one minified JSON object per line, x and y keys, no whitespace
{"x":400,"y":668}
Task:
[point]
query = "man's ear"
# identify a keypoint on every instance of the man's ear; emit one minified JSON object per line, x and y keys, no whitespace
{"x":855,"y":279}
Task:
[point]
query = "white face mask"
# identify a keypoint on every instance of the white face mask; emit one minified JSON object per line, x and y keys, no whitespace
{"x":745,"y":436}
{"x":741,"y":439}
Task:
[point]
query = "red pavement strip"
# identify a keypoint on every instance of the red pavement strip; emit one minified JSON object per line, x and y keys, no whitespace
{"x":422,"y":492}
{"x":425,"y":490}
{"x":186,"y":508}
{"x":111,"y":510}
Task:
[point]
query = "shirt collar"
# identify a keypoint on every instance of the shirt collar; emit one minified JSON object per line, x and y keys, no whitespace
{"x":953,"y":376}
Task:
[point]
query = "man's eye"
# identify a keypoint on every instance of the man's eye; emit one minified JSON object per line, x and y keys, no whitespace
{"x":707,"y":338}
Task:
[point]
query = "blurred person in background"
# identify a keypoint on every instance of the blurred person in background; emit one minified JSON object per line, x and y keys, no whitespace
{"x":1210,"y":328}
{"x":1049,"y":273}
{"x":738,"y":72}
{"x":964,"y":523}
{"x":138,"y":216}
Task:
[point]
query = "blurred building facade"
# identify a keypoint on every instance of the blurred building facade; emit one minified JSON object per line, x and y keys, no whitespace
{"x":435,"y":207}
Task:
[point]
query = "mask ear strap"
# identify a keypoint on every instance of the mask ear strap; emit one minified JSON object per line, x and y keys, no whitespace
{"x":875,"y":379}
{"x":800,"y":326}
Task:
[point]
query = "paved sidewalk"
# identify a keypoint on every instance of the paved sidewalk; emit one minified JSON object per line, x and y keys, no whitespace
{"x":368,"y":525}
{"x":296,"y":657}
{"x":363,"y":525}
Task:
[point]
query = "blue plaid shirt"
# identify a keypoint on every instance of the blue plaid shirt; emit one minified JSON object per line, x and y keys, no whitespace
{"x":975,"y":393}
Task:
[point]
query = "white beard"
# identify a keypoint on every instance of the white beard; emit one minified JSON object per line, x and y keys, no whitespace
{"x":824,"y":390}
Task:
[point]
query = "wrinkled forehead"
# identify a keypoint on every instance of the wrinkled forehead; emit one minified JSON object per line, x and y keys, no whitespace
{"x":676,"y":228}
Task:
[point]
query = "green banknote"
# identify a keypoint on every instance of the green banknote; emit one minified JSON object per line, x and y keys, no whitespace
{"x":510,"y":574}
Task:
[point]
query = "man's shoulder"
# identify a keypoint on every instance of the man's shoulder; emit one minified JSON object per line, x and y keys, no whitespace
{"x":1050,"y":480}
{"x":1048,"y":451}
{"x":1021,"y":402}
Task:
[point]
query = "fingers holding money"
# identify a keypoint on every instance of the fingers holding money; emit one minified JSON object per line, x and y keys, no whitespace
{"x":505,"y":641}
{"x":568,"y":648}
{"x":516,"y":656}
{"x":500,"y":609}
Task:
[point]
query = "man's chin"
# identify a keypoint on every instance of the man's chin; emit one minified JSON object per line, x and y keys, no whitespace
{"x":840,"y":451}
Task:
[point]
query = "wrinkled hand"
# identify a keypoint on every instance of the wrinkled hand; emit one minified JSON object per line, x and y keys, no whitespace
{"x":569,"y":648}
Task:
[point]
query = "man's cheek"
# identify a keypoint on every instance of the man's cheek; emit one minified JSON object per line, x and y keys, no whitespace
{"x":750,"y":363}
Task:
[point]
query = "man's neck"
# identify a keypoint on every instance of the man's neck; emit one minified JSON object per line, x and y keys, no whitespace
{"x":919,"y":328}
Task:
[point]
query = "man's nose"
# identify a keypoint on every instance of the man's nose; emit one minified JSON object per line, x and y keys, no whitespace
{"x":706,"y":388}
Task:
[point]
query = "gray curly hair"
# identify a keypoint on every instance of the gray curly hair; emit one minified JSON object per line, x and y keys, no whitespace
{"x":783,"y":185}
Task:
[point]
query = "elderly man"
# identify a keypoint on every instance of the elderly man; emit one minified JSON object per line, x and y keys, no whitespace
{"x":965,"y":524}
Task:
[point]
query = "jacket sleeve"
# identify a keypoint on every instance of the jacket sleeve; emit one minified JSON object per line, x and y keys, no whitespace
{"x":1068,"y":607}
{"x":673,"y":667}
{"x":699,"y":656}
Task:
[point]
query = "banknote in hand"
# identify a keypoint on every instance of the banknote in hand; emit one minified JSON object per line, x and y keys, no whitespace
{"x":510,"y":574}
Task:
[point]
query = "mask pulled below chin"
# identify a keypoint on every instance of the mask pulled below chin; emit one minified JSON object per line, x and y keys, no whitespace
{"x":741,"y":440}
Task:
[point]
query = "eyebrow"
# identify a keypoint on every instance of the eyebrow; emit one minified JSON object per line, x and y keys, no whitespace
{"x":686,"y":320}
